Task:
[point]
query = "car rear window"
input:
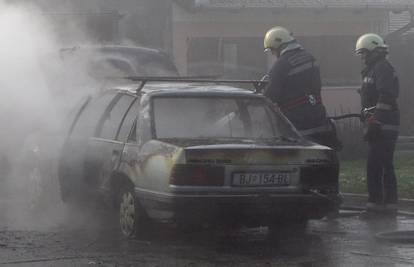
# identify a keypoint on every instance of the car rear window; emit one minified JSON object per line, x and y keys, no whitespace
{"x":217,"y":117}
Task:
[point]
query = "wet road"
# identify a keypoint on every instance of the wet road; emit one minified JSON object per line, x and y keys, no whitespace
{"x":65,"y":237}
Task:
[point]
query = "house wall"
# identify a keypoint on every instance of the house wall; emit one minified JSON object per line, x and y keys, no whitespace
{"x":143,"y":22}
{"x":317,"y":30}
{"x":255,"y":23}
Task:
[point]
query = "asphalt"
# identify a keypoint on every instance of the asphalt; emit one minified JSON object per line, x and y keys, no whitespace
{"x":358,"y":201}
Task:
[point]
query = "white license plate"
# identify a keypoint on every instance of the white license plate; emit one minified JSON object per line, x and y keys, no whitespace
{"x":261,"y":178}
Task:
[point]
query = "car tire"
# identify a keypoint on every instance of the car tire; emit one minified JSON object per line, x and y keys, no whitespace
{"x":132,"y":219}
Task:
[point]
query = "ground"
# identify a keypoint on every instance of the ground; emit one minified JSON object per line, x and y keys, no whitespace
{"x":66,"y":237}
{"x":63,"y":236}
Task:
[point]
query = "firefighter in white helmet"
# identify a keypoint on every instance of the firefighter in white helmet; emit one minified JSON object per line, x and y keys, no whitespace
{"x":275,"y":38}
{"x":379,"y":92}
{"x":295,"y":85}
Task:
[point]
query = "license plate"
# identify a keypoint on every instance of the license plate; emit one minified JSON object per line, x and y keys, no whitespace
{"x":261,"y":179}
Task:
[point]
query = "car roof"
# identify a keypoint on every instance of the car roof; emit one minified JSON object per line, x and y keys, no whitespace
{"x":180,"y":88}
{"x":114,"y":48}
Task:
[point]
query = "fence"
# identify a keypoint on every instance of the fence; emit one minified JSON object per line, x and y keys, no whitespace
{"x":350,"y":132}
{"x":405,"y":143}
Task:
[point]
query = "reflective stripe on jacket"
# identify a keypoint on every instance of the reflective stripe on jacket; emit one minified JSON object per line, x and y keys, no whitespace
{"x":380,"y":88}
{"x":295,"y":85}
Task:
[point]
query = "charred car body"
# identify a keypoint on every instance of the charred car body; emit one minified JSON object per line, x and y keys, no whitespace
{"x":194,"y":153}
{"x":70,"y":74}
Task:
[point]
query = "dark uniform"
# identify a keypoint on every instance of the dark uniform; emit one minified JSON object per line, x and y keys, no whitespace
{"x":295,"y":85}
{"x":380,"y":88}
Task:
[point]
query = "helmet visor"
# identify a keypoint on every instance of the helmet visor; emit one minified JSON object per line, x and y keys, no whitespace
{"x":361,"y":51}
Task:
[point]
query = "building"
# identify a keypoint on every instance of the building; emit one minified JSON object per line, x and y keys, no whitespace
{"x":130,"y":22}
{"x":215,"y":37}
{"x":218,"y":36}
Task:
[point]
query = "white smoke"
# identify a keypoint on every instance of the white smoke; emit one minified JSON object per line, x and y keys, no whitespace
{"x":25,"y":39}
{"x":39,"y":84}
{"x":34,"y":101}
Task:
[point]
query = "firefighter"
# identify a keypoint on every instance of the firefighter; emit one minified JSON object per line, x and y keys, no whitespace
{"x":295,"y":85}
{"x":379,"y":92}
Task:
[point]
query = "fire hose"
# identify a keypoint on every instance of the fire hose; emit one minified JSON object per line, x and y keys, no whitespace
{"x":365,"y":113}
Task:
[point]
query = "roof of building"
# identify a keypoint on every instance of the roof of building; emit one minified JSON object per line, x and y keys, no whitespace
{"x":380,"y":4}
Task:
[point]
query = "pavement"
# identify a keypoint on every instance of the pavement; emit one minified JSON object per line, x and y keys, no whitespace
{"x":358,"y":201}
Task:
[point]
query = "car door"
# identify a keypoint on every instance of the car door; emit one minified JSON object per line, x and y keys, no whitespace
{"x":127,"y":134}
{"x":140,"y":134}
{"x":105,"y":149}
{"x":72,"y":159}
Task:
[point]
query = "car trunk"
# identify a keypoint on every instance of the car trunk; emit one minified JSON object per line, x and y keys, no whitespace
{"x":255,"y":181}
{"x":252,"y":154}
{"x":249,"y":166}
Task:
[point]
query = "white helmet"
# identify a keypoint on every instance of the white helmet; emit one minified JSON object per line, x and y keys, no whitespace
{"x":369,"y":42}
{"x":277,"y":36}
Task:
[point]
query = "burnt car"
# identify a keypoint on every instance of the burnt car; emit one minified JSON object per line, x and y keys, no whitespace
{"x":194,"y":153}
{"x":70,"y":73}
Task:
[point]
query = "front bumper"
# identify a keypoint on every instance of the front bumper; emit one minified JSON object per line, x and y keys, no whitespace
{"x":248,"y":209}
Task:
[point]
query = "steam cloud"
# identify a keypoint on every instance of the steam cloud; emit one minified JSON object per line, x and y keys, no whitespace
{"x":34,"y":100}
{"x":39,"y":85}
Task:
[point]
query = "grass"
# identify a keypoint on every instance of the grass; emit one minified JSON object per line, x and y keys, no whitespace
{"x":352,"y":177}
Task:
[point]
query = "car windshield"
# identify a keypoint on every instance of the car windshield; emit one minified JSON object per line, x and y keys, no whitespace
{"x":218,"y":117}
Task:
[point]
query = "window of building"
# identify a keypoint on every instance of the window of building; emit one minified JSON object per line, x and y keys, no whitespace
{"x":234,"y":58}
{"x":242,"y":57}
{"x":335,"y":55}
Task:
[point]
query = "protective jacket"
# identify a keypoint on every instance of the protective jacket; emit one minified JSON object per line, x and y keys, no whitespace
{"x":295,"y":85}
{"x":380,"y":89}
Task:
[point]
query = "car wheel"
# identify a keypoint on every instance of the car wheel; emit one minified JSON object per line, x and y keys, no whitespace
{"x":132,"y":218}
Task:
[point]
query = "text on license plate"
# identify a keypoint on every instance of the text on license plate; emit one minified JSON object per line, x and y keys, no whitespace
{"x":261,"y":178}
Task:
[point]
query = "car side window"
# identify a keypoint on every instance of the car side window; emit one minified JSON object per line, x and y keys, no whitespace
{"x":88,"y":121}
{"x":74,"y":114}
{"x":112,"y":118}
{"x":128,"y":122}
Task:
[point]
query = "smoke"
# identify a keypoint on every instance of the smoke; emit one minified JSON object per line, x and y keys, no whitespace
{"x":35,"y":97}
{"x":25,"y":98}
{"x":25,"y":38}
{"x":43,"y":73}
